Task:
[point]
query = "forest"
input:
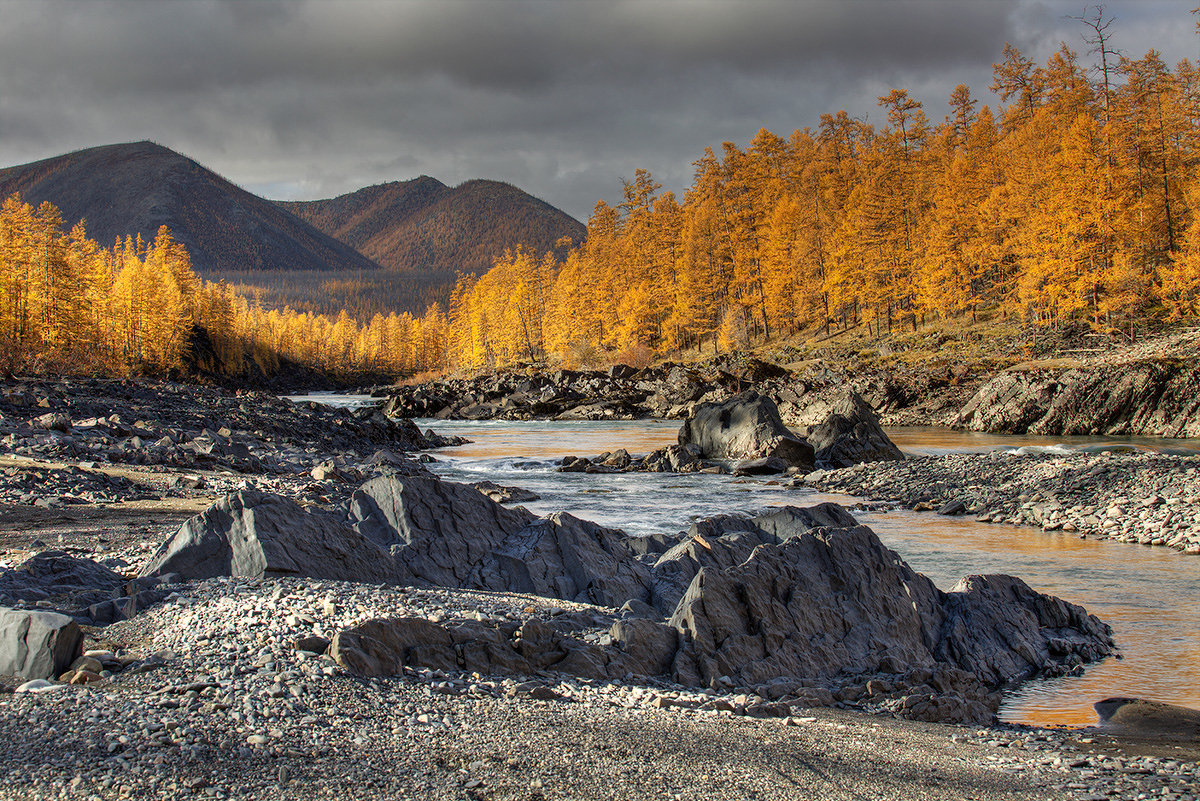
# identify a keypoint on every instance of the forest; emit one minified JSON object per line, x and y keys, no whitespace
{"x":70,"y":306}
{"x":1074,"y":200}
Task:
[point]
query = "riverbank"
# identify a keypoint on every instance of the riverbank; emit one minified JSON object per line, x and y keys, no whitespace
{"x":1151,"y":389}
{"x":210,"y":694}
{"x":219,"y":700}
{"x":1146,"y":498}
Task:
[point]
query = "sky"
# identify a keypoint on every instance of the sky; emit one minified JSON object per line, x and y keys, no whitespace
{"x":306,"y":99}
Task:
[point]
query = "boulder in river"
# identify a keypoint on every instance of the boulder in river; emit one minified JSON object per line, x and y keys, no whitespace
{"x":833,"y":600}
{"x":744,"y":427}
{"x":1144,"y":718}
{"x":851,"y":434}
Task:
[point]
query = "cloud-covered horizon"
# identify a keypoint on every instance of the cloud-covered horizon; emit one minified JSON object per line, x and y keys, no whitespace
{"x":304,"y":99}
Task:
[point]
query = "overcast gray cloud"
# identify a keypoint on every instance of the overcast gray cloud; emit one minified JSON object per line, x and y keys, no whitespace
{"x":304,"y":99}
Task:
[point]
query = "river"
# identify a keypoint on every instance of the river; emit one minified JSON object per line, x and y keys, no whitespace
{"x":1151,"y":596}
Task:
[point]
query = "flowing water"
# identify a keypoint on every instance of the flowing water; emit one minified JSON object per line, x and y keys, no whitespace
{"x":1151,"y":596}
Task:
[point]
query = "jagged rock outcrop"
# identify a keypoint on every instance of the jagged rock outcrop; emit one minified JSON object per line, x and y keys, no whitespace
{"x":37,"y":645}
{"x":411,"y":530}
{"x":827,"y":600}
{"x":1149,"y":398}
{"x":746,"y":426}
{"x":256,"y":534}
{"x":795,"y":594}
{"x":1000,"y":629}
{"x":850,"y":434}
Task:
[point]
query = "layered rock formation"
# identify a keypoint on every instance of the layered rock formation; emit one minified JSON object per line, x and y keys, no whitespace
{"x":407,"y":530}
{"x":794,"y":594}
{"x":1149,"y":399}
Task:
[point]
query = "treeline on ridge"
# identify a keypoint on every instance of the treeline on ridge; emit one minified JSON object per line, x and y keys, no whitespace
{"x":1076,"y":200}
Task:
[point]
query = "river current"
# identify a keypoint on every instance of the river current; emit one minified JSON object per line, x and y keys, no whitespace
{"x":1150,"y":596}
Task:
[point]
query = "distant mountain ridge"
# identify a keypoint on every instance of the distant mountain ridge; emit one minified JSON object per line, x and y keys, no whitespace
{"x":422,"y":224}
{"x":128,"y":189}
{"x":319,"y":256}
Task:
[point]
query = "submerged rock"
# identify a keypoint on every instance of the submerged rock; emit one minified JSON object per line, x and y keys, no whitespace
{"x":1149,"y":718}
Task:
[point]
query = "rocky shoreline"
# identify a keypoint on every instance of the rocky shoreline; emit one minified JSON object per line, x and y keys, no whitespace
{"x":220,"y":699}
{"x":1153,"y":390}
{"x":1146,"y":498}
{"x":256,"y":687}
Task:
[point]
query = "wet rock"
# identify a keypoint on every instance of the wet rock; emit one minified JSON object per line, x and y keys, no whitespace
{"x":1149,"y":718}
{"x":1143,"y":398}
{"x":673,"y":459}
{"x":766,"y":466}
{"x":745,"y":427}
{"x":502,"y":494}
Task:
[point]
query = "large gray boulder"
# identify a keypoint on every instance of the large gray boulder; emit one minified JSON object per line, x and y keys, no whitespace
{"x":746,"y":426}
{"x":829,"y":600}
{"x":408,"y":530}
{"x":260,"y":535}
{"x":851,"y":434}
{"x":37,"y":645}
{"x":1143,"y":718}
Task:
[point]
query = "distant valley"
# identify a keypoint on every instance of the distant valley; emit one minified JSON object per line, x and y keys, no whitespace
{"x":395,"y":246}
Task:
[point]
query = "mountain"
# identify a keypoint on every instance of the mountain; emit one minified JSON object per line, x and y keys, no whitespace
{"x":130,"y":189}
{"x":319,"y":256}
{"x":425,"y":225}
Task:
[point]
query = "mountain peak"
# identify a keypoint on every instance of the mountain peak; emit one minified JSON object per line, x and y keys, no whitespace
{"x":422,"y":224}
{"x":133,"y":188}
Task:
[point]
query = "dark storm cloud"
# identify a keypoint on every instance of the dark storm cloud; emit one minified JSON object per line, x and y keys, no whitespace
{"x":561,"y":97}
